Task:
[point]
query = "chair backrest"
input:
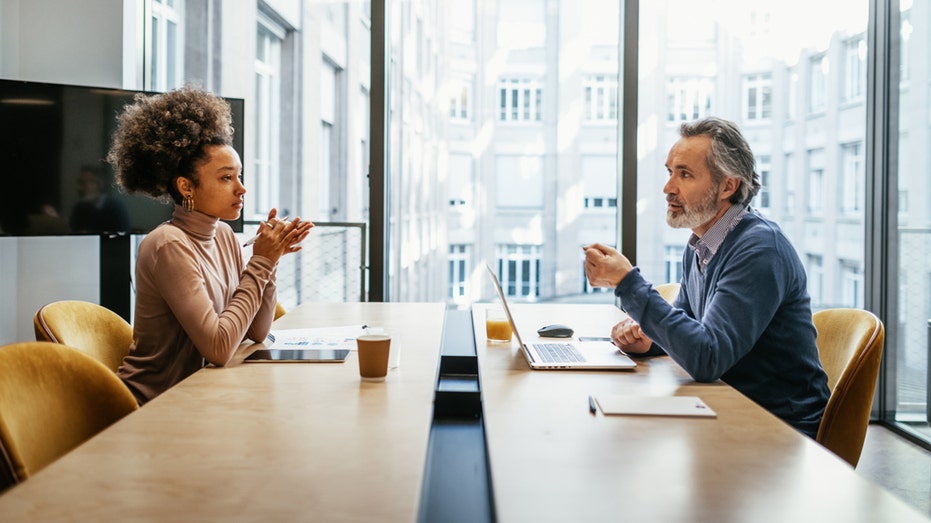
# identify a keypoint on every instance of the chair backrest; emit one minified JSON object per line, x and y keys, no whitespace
{"x":52,"y":399}
{"x":668,"y":291}
{"x":88,"y":327}
{"x":280,"y":310}
{"x":850,"y":344}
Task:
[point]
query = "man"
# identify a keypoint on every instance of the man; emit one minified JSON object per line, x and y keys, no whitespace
{"x":743,"y":313}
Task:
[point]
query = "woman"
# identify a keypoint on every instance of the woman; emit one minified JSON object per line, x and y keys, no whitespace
{"x":196,"y":299}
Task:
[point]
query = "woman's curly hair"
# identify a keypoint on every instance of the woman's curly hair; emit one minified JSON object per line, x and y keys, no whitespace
{"x":161,"y":137}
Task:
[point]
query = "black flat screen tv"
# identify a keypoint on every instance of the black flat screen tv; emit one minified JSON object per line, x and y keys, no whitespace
{"x":53,"y":145}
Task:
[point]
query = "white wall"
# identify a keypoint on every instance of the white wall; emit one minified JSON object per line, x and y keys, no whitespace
{"x":67,"y":42}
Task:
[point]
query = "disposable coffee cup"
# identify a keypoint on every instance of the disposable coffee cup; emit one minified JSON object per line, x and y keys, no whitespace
{"x":373,"y":351}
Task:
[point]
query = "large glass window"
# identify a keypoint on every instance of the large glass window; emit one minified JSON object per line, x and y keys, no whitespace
{"x":774,"y":74}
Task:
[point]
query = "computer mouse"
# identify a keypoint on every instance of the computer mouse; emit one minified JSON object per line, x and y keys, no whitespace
{"x":555,"y":330}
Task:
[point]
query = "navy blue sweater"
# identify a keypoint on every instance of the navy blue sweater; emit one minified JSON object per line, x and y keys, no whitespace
{"x":746,"y":320}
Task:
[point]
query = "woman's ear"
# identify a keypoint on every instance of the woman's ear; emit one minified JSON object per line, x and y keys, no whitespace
{"x":184,"y":185}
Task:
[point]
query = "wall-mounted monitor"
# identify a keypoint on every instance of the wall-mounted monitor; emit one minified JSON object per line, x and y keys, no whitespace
{"x":53,"y":146}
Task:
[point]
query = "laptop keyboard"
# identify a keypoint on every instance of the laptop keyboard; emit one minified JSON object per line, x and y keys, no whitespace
{"x":557,"y":352}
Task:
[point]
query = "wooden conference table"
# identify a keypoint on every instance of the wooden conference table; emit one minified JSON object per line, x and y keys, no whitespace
{"x":298,"y":442}
{"x":552,"y":460}
{"x":261,"y":441}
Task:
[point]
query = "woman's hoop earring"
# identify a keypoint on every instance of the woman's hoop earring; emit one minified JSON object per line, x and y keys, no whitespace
{"x":188,"y":203}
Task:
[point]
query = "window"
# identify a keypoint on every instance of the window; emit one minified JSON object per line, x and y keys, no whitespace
{"x":792,"y":95}
{"x":263,"y":193}
{"x":688,"y":98}
{"x":763,"y":166}
{"x":460,"y":180}
{"x":853,"y":179}
{"x":459,"y":264}
{"x":459,"y":101}
{"x":851,"y":284}
{"x":758,"y":97}
{"x":519,"y":269}
{"x":521,"y":100}
{"x":815,"y":281}
{"x":818,"y":68}
{"x":519,"y":182}
{"x":905,"y":40}
{"x":330,"y":180}
{"x":854,"y":68}
{"x":521,"y":24}
{"x":166,"y":58}
{"x":815,"y":181}
{"x":600,"y":98}
{"x":790,"y":183}
{"x":674,"y":263}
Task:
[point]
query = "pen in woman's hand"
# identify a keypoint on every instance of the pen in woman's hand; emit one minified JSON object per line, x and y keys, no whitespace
{"x":252,"y":240}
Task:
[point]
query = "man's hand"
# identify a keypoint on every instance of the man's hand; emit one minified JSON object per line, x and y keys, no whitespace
{"x":604,"y":266}
{"x":629,"y":338}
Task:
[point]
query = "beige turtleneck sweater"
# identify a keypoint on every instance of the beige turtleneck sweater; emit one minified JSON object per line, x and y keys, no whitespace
{"x":195,"y":302}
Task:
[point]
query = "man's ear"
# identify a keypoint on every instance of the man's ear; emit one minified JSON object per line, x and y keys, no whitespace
{"x":728,"y":188}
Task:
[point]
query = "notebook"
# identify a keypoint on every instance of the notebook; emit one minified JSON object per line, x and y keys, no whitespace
{"x":565,"y":354}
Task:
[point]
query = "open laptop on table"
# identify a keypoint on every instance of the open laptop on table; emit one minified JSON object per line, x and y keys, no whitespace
{"x":565,"y":354}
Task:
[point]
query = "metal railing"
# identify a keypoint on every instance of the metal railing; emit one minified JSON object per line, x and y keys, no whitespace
{"x":331,"y":266}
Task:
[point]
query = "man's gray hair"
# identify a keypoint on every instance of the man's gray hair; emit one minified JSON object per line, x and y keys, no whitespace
{"x":730,"y":155}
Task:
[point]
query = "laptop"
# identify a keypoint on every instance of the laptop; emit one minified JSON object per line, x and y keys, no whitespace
{"x":565,"y":354}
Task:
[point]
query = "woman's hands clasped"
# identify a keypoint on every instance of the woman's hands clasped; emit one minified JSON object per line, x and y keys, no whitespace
{"x":278,"y":237}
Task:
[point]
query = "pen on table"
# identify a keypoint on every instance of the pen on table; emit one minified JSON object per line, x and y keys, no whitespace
{"x":252,"y":240}
{"x":591,"y":405}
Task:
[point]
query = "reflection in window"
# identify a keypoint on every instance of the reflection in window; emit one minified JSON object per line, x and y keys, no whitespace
{"x":519,"y":269}
{"x":688,"y":98}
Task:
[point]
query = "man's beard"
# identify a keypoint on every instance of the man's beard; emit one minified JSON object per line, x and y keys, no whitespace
{"x":690,"y":218}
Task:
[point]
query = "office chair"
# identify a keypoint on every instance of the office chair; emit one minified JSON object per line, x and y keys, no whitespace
{"x":279,"y":310}
{"x":88,"y":327}
{"x":850,"y":344}
{"x":668,"y":291}
{"x":52,"y":399}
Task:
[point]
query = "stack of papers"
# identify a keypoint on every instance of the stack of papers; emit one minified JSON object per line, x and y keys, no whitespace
{"x":692,"y":406}
{"x":330,"y":338}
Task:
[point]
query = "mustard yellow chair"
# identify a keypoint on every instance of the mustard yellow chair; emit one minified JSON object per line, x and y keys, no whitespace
{"x":850,"y":344}
{"x":669,"y":291}
{"x":88,"y":327}
{"x":279,"y":310}
{"x":52,"y":399}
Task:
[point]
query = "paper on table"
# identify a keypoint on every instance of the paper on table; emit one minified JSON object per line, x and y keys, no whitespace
{"x":654,"y":406}
{"x":316,"y":338}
